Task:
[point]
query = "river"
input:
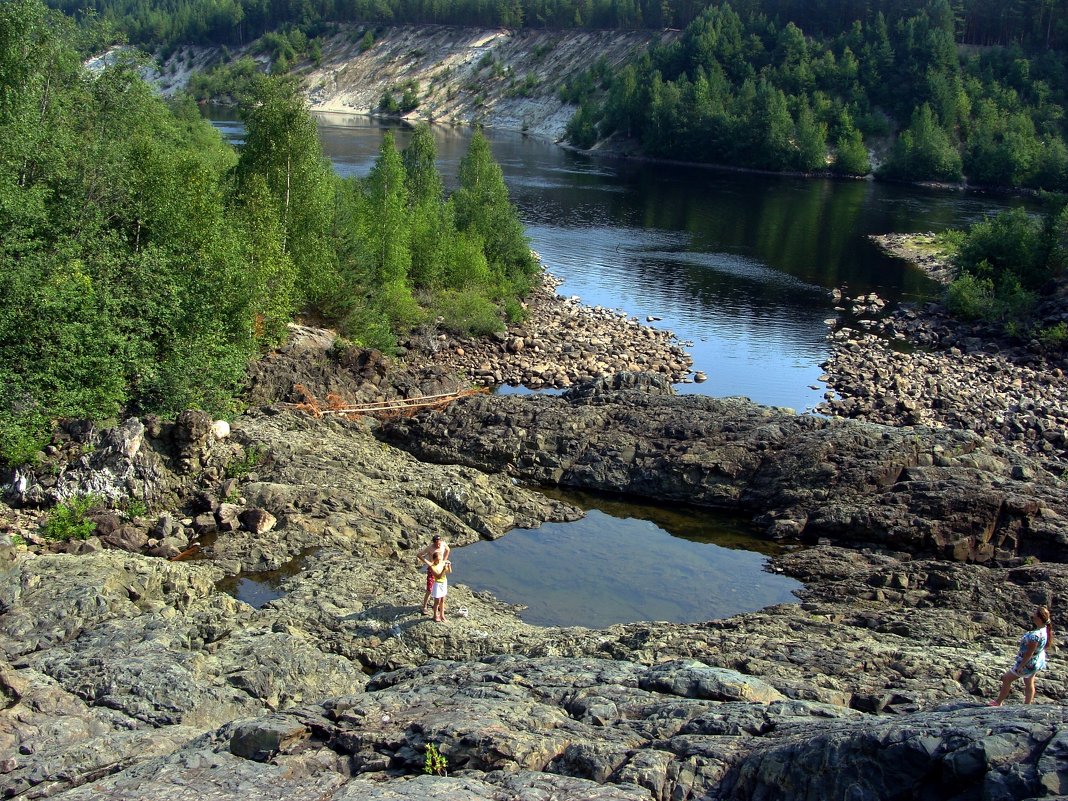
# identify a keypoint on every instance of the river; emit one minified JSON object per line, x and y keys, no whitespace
{"x":740,"y":266}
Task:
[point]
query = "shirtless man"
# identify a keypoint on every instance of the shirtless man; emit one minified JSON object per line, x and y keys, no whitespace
{"x":427,"y":554}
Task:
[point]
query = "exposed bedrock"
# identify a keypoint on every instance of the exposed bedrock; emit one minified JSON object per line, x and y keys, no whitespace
{"x":920,"y":490}
{"x":572,"y":730}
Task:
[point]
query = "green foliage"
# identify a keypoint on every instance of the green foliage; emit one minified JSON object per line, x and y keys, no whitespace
{"x":123,"y":282}
{"x":231,"y":80}
{"x":581,"y":129}
{"x":970,"y":298}
{"x":1053,"y":336}
{"x":282,"y":147}
{"x":924,"y":151}
{"x":436,"y":764}
{"x":253,"y":457}
{"x":134,"y":508}
{"x":467,"y":313}
{"x":1010,"y":243}
{"x":1004,"y":262}
{"x":23,"y":433}
{"x":410,"y":99}
{"x":70,"y":520}
{"x":143,"y":262}
{"x":388,"y":104}
{"x":368,"y":327}
{"x":482,"y":209}
{"x":949,"y":242}
{"x":515,"y":312}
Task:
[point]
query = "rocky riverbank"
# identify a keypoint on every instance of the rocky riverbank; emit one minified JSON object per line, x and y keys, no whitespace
{"x":919,"y":366}
{"x":136,"y":677}
{"x":128,"y":675}
{"x":562,"y":342}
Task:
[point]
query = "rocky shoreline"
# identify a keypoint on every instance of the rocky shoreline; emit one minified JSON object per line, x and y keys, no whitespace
{"x":919,"y":366}
{"x":126,"y":671}
{"x":562,"y":343}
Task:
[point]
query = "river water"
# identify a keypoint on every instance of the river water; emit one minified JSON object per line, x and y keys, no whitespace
{"x":739,"y":266}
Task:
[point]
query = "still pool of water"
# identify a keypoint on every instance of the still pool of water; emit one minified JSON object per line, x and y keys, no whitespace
{"x":624,"y":563}
{"x":257,"y":589}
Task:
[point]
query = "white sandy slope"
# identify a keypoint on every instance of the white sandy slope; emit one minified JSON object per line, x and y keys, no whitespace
{"x":502,"y":79}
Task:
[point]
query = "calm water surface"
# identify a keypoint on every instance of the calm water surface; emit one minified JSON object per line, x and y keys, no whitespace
{"x":738,"y":265}
{"x":624,"y":562}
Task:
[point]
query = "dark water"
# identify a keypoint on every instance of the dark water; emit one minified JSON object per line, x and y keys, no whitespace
{"x":257,"y":589}
{"x":740,"y":266}
{"x":625,"y":562}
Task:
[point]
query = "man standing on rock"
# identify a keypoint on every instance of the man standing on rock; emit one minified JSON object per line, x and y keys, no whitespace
{"x":436,"y":547}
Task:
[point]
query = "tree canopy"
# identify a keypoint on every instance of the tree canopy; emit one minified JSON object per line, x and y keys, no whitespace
{"x":746,"y":85}
{"x":143,"y":261}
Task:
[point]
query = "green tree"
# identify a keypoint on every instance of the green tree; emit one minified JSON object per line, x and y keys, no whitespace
{"x":282,"y":147}
{"x":924,"y":151}
{"x":851,"y":156}
{"x":430,"y":221}
{"x":483,"y":209}
{"x":811,"y":140}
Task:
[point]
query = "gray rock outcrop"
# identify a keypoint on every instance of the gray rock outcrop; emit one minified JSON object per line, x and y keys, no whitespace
{"x":921,"y":490}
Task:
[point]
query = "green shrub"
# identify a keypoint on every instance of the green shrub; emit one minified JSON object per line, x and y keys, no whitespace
{"x":970,"y":298}
{"x":410,"y":99}
{"x":468,"y":313}
{"x":253,"y":457}
{"x":1009,"y":243}
{"x":1054,"y":336}
{"x":400,"y":306}
{"x":949,"y":241}
{"x":367,"y":327}
{"x":70,"y":520}
{"x":436,"y":764}
{"x":22,"y":436}
{"x":514,"y":312}
{"x":134,"y":508}
{"x":387,"y":104}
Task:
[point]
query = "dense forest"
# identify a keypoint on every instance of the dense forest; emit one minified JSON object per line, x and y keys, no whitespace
{"x":1031,"y":24}
{"x":144,"y":261}
{"x":934,"y":90}
{"x":740,"y":89}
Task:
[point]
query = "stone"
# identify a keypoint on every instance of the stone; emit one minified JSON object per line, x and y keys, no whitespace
{"x":263,"y":739}
{"x":126,"y":538}
{"x":258,"y":521}
{"x":227,"y":517}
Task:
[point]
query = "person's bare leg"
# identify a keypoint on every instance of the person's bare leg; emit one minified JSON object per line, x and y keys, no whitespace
{"x":1006,"y":685}
{"x":426,"y":600}
{"x":1029,"y":689}
{"x":443,"y":607}
{"x":439,"y":615}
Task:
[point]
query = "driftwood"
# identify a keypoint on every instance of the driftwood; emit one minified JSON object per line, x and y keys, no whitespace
{"x":383,"y":409}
